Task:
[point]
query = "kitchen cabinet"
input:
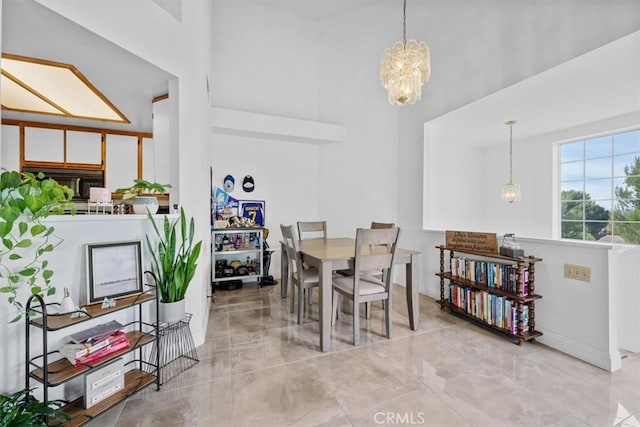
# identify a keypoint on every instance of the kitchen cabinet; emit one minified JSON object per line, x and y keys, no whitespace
{"x":84,"y":147}
{"x":43,"y":145}
{"x":10,"y":149}
{"x":121,"y":161}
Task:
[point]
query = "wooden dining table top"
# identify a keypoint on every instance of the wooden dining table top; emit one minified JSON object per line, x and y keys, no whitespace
{"x":341,"y":248}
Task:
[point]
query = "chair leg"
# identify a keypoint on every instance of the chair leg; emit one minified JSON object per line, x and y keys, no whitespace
{"x":334,"y":308}
{"x":367,"y":310}
{"x":310,"y":296}
{"x":356,"y":322}
{"x":300,"y":304}
{"x":387,"y":316}
{"x":292,"y":296}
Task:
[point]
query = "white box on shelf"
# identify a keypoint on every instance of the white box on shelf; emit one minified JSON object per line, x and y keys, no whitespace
{"x":102,"y":383}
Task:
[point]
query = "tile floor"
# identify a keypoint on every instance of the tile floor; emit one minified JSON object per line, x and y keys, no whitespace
{"x":258,"y":367}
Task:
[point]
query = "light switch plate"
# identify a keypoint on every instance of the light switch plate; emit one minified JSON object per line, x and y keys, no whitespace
{"x":577,"y":272}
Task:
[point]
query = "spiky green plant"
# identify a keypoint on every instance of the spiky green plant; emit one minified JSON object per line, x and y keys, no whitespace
{"x":174,"y":256}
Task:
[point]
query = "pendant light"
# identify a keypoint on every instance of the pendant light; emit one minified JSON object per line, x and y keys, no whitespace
{"x":511,"y":192}
{"x":405,"y":67}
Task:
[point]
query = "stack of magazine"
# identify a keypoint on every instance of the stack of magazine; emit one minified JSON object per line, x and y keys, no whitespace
{"x":95,"y":343}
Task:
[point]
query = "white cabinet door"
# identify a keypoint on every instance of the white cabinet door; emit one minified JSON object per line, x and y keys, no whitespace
{"x":122,"y":161}
{"x":43,"y":145}
{"x":10,"y":153}
{"x":84,"y":147}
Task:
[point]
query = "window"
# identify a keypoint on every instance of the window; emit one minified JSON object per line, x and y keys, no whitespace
{"x":600,"y":188}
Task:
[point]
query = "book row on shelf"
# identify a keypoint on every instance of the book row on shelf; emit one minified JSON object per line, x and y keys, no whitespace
{"x":492,"y":274}
{"x":495,"y":310}
{"x":93,"y":350}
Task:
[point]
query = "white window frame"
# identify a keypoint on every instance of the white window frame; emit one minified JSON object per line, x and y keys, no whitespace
{"x":557,"y":223}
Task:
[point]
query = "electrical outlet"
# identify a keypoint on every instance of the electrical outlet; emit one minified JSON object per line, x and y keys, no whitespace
{"x":577,"y":272}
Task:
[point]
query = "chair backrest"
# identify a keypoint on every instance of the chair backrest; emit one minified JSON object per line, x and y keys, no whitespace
{"x":381,"y":225}
{"x":375,"y":251}
{"x":293,"y":251}
{"x":312,"y":229}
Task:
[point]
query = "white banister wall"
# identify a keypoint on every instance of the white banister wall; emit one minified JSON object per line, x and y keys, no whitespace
{"x":624,"y":261}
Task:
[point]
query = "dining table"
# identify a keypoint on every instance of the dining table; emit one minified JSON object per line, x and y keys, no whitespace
{"x":333,"y":254}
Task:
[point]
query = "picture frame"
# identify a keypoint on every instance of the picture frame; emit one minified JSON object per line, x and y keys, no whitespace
{"x":114,"y":269}
{"x":253,"y":209}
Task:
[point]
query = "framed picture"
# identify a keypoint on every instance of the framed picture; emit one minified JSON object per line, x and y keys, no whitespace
{"x":253,"y":209}
{"x":114,"y":269}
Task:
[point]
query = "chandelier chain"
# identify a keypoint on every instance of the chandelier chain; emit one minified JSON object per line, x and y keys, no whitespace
{"x":404,"y":22}
{"x":510,"y":153}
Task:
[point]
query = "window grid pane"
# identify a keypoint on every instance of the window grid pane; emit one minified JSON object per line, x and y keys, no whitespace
{"x":600,"y":188}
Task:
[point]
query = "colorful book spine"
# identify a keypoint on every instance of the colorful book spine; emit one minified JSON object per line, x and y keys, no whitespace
{"x":73,"y":351}
{"x":112,"y":348}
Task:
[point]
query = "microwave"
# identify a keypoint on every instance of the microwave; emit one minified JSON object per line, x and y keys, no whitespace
{"x":79,"y":180}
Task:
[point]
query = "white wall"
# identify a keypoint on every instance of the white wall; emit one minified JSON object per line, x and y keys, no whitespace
{"x":534,"y":167}
{"x":263,"y":61}
{"x":285,"y":174}
{"x":457,"y":196}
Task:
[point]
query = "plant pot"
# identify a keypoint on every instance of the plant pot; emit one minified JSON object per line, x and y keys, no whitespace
{"x":172,"y":311}
{"x":142,"y":203}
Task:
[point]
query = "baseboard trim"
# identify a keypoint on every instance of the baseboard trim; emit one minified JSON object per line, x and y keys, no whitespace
{"x":589,"y":354}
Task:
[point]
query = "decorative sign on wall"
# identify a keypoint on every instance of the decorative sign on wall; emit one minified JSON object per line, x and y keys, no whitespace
{"x":252,"y":209}
{"x":472,"y":241}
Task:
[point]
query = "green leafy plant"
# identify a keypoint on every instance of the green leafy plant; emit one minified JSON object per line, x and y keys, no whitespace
{"x":174,"y":256}
{"x":22,"y":409}
{"x":25,"y":199}
{"x":141,"y":186}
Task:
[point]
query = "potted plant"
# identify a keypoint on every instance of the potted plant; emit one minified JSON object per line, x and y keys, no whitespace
{"x":174,"y":257}
{"x":25,"y":199}
{"x":22,"y":409}
{"x":142,"y":192}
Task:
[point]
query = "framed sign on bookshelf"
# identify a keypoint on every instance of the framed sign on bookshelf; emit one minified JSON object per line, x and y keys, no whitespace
{"x":252,"y":209}
{"x":114,"y":269}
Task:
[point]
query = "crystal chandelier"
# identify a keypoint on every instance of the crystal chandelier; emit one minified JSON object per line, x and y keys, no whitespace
{"x":511,"y":192}
{"x":405,"y":67}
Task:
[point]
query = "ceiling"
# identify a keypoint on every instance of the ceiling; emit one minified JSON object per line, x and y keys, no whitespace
{"x":316,"y":9}
{"x":599,"y":85}
{"x":130,"y":83}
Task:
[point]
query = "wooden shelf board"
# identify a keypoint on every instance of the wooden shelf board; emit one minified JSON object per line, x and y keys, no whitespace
{"x":495,"y":291}
{"x":63,"y":370}
{"x":529,"y":259}
{"x":526,"y":336}
{"x":224,"y":279}
{"x":134,"y":380}
{"x":59,"y":321}
{"x":237,"y":252}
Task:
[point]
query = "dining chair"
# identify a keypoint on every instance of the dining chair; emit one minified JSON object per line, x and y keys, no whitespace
{"x":304,"y":278}
{"x":374,"y":251}
{"x":376,"y":226}
{"x":312,"y":229}
{"x":381,"y":225}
